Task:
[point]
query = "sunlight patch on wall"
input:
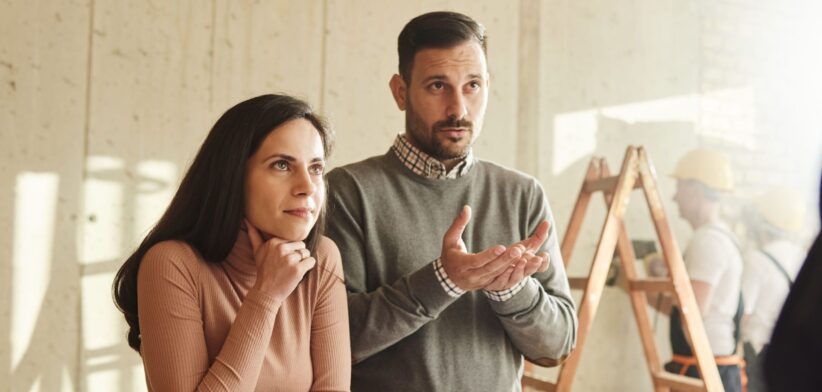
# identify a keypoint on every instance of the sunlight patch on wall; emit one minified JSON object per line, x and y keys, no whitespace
{"x":34,"y":222}
{"x":576,"y":134}
{"x":683,"y":108}
{"x":156,"y":187}
{"x":102,"y":235}
{"x":575,"y":137}
{"x":101,"y":251}
{"x":728,"y":115}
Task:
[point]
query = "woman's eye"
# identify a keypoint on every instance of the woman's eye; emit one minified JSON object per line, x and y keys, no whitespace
{"x":317,"y":169}
{"x":279,"y":165}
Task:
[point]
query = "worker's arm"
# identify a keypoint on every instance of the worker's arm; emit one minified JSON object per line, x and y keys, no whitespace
{"x":663,"y":302}
{"x":703,"y":292}
{"x":540,"y":319}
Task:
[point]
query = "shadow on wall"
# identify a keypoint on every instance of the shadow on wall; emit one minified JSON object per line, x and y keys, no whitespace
{"x":58,"y":319}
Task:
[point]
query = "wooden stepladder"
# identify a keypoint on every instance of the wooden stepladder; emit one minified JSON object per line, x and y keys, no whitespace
{"x":637,"y":172}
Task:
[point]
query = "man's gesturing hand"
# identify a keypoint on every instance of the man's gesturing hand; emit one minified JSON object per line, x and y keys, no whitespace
{"x":470,"y":271}
{"x":529,"y":264}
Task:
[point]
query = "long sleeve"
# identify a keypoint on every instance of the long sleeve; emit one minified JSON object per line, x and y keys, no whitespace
{"x":541,"y":318}
{"x":330,"y":348}
{"x":383,"y":316}
{"x":173,"y":342}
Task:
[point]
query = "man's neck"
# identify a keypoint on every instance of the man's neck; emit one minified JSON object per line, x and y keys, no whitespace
{"x":450,"y":163}
{"x":707,"y":215}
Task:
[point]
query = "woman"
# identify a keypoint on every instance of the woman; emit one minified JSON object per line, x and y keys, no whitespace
{"x":235,"y":288}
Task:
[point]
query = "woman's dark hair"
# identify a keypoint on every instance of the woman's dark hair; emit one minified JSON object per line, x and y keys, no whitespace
{"x":209,"y":207}
{"x":441,"y":29}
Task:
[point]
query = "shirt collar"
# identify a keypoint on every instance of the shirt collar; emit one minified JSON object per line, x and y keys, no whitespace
{"x":427,"y":166}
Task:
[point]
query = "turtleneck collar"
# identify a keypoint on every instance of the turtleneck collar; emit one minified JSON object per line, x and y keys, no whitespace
{"x":241,"y":257}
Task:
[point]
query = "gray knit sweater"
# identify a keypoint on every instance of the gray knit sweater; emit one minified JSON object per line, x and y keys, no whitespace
{"x":407,"y":333}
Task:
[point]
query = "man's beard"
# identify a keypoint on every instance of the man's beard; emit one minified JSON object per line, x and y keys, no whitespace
{"x":430,"y":143}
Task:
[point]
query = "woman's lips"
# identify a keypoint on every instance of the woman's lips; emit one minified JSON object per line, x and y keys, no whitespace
{"x":305,"y":213}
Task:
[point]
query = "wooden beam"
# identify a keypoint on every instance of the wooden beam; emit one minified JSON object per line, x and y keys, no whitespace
{"x":577,"y":283}
{"x":538,"y":383}
{"x":606,"y":185}
{"x":679,"y":383}
{"x":653,"y":285}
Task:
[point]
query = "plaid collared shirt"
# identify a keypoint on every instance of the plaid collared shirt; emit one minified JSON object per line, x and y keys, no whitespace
{"x":427,"y":166}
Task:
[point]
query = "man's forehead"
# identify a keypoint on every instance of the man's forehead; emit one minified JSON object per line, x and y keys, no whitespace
{"x":467,"y":58}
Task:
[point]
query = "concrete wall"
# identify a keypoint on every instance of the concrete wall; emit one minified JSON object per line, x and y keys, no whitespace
{"x":104,"y":104}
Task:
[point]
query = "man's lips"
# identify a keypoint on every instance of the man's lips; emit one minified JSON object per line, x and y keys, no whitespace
{"x":455,"y":133}
{"x":300,"y":212}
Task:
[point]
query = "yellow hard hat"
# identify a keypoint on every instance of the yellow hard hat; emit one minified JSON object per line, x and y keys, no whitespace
{"x":784,"y":208}
{"x":709,"y":167}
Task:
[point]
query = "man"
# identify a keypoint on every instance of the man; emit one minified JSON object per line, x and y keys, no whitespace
{"x":436,"y":304}
{"x":714,"y":264}
{"x":792,"y":362}
{"x":769,"y":272}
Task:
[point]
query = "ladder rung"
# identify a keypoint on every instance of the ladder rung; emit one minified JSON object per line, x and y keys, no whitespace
{"x":680,"y":383}
{"x":538,"y":383}
{"x":652,"y":284}
{"x":577,"y":283}
{"x":607,"y":184}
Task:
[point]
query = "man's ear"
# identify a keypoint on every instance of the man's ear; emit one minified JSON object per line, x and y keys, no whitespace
{"x":398,"y":90}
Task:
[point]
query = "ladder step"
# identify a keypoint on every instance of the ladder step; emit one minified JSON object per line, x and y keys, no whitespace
{"x":577,"y":283}
{"x":680,"y":383}
{"x":538,"y":383}
{"x":652,"y":284}
{"x":607,"y":184}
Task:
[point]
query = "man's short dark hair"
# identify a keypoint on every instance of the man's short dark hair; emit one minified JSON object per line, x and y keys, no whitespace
{"x":436,"y":30}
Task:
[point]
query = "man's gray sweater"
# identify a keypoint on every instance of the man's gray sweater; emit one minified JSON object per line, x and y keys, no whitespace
{"x":407,"y":333}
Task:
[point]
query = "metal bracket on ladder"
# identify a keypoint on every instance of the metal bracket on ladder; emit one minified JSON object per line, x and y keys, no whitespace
{"x":637,"y":172}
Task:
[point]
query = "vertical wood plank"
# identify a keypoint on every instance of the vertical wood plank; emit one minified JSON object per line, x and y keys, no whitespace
{"x":43,"y":72}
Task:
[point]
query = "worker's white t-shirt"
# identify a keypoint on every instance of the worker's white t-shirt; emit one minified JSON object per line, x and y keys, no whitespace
{"x":765,"y":288}
{"x":713,"y":257}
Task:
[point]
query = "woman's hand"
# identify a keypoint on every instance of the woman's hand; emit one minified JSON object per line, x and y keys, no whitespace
{"x":281,"y":265}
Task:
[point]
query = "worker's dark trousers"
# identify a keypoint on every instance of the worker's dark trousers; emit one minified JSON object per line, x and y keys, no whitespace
{"x":754,"y":369}
{"x":730,"y":375}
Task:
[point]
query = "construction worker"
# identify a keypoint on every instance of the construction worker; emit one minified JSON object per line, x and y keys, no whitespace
{"x":769,"y":272}
{"x":714,"y":264}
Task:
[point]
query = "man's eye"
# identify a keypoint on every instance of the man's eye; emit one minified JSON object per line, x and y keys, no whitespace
{"x":437,"y":86}
{"x":279,"y":165}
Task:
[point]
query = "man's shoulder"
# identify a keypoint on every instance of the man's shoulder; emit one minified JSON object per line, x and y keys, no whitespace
{"x":365,"y":168}
{"x":506,"y":176}
{"x":716,"y":235}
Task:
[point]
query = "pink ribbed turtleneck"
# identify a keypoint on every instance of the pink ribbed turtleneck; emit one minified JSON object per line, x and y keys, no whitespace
{"x":203,"y":327}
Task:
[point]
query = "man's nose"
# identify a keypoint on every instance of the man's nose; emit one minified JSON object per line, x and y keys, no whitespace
{"x":456,"y":106}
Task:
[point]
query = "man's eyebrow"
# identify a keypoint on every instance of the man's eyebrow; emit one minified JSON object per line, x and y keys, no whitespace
{"x":440,"y":77}
{"x":434,"y":77}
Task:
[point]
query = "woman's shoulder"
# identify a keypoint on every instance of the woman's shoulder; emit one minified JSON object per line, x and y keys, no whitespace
{"x":170,"y":258}
{"x":328,"y":257}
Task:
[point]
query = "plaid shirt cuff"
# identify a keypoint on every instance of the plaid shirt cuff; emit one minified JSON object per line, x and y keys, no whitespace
{"x":504,"y":295}
{"x":446,"y":283}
